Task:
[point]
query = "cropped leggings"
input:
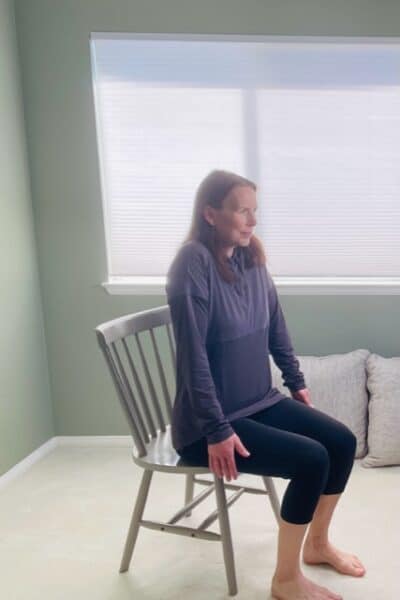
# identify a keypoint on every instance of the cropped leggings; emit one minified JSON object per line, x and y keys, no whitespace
{"x":294,"y":441}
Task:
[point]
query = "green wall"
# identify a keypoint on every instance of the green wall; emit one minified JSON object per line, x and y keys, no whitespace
{"x":26,"y":415}
{"x":55,"y":63}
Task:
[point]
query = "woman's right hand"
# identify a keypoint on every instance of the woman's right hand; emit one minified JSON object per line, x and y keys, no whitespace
{"x":221,"y":456}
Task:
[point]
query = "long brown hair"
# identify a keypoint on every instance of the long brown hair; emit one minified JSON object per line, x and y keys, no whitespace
{"x":212,"y":191}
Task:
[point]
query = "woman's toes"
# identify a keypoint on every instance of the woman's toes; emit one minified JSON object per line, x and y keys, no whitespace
{"x":359,"y":567}
{"x":332,"y":595}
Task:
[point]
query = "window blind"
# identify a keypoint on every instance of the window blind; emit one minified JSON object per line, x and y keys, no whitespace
{"x":315,"y":124}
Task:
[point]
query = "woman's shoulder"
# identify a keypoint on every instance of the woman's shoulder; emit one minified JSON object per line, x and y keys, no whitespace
{"x":189,"y":269}
{"x":195,"y":248}
{"x":192,"y":253}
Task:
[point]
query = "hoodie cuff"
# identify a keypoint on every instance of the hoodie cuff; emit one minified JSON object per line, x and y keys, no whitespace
{"x":220,"y":435}
{"x":300,"y":385}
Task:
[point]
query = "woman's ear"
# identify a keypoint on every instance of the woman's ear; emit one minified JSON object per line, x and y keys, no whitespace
{"x":208,"y":214}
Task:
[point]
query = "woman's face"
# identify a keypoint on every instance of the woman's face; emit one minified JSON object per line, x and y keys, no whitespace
{"x":235,"y":221}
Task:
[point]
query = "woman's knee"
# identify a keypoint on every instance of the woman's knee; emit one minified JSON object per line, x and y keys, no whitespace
{"x":346,"y":442}
{"x":314,"y":459}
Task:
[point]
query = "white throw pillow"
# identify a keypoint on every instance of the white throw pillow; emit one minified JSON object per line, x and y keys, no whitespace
{"x":338,"y":387}
{"x":383,"y":383}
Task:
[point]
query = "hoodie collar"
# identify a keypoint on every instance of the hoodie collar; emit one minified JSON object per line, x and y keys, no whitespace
{"x":237,"y":257}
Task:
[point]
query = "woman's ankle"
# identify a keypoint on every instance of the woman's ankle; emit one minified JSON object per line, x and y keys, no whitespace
{"x":316,"y":541}
{"x":284,"y":576}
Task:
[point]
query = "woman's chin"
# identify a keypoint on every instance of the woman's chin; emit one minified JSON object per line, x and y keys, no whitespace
{"x":244,"y":240}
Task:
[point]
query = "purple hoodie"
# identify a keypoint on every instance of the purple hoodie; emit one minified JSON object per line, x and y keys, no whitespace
{"x":224,"y":334}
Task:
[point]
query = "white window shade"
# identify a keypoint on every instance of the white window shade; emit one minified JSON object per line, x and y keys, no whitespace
{"x":331,"y":163}
{"x":316,"y":124}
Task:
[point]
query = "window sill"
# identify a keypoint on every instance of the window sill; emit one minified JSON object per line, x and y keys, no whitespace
{"x":352,"y":286}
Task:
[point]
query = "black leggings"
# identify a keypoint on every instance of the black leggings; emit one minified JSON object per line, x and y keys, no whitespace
{"x":294,"y":441}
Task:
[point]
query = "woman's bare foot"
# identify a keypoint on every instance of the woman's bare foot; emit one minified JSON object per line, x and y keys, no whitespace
{"x":300,"y":588}
{"x":345,"y":563}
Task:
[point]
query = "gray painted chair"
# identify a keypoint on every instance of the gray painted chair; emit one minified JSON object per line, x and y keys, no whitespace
{"x":149,"y":416}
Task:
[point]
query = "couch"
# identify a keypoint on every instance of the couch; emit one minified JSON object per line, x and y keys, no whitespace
{"x":362,"y":390}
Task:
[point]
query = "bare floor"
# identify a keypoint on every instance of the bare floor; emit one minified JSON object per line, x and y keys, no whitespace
{"x":63,"y":525}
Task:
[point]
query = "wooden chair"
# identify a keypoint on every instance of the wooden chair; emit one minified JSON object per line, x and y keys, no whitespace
{"x":149,"y":416}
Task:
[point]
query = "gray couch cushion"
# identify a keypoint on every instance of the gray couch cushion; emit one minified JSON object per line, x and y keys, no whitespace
{"x":338,"y":387}
{"x":384,"y":411}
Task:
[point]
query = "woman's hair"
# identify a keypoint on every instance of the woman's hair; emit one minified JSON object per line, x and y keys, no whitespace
{"x":212,"y":191}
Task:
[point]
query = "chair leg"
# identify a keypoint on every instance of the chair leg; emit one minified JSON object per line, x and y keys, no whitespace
{"x":273,"y":496}
{"x":136,"y":517}
{"x":227,"y":547}
{"x":189,"y":488}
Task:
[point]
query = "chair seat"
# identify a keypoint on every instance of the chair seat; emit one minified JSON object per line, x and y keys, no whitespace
{"x":162,"y":456}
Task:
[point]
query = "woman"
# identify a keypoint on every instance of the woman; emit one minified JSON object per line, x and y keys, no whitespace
{"x":227,"y":318}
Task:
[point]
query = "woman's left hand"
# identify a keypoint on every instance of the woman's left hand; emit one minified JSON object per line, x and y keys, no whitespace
{"x":302,"y":396}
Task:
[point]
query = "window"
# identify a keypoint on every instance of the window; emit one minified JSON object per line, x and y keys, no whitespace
{"x":315,"y":122}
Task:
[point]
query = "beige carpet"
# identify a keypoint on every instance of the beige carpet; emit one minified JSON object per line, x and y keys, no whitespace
{"x":63,"y":525}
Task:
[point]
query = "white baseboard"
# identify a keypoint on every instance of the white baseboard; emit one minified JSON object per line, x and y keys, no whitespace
{"x":73,"y":440}
{"x":94,"y":440}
